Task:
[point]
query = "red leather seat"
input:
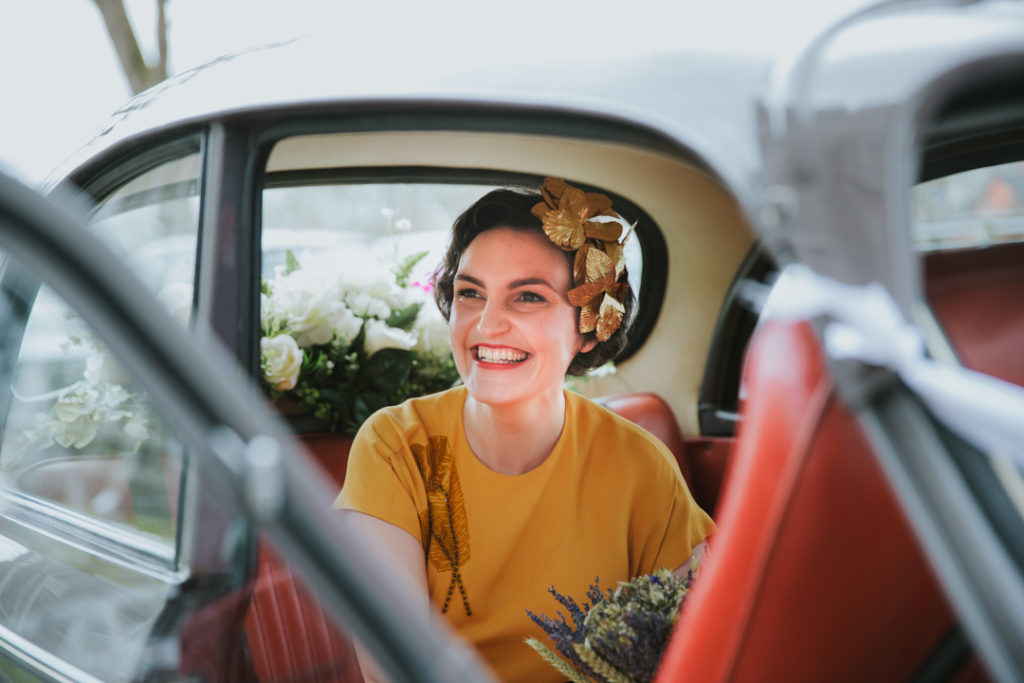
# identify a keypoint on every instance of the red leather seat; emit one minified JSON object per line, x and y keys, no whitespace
{"x":976,"y":295}
{"x":702,"y":460}
{"x":814,"y":574}
{"x":290,"y":637}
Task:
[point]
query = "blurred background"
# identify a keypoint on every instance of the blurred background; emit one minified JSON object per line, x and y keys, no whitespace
{"x":61,"y":76}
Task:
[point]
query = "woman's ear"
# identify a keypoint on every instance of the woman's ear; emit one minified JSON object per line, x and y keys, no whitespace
{"x":588,"y":345}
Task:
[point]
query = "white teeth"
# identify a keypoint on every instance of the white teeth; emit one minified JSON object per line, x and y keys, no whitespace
{"x":499,"y":355}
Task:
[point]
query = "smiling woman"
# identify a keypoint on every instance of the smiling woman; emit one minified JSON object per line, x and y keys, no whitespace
{"x":488,"y":493}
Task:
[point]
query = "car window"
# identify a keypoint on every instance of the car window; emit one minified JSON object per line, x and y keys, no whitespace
{"x":346,"y":272}
{"x":976,"y":208}
{"x":77,"y":432}
{"x":90,"y":481}
{"x":152,"y":222}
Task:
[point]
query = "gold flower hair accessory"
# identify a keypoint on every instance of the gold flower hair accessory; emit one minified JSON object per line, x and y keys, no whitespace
{"x":572,"y":221}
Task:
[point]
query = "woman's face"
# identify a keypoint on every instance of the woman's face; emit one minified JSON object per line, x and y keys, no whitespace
{"x":513,"y":331}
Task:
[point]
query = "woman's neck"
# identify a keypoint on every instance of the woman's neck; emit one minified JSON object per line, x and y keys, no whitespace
{"x":514,"y":438}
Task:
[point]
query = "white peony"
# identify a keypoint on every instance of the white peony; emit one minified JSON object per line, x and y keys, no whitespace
{"x":347,"y":325}
{"x":81,"y":402}
{"x":75,"y":434}
{"x":380,"y":335}
{"x":309,"y":305}
{"x":281,"y":359}
{"x":367,"y":305}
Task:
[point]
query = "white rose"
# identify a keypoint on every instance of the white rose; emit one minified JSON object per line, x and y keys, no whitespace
{"x":432,"y":331}
{"x":177,"y":298}
{"x":281,"y":359}
{"x":379,"y":335}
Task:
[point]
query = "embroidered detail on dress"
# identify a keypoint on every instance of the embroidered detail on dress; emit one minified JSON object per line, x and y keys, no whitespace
{"x":443,"y":524}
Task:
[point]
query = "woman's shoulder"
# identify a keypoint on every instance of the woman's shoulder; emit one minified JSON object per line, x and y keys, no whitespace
{"x":601,"y":425}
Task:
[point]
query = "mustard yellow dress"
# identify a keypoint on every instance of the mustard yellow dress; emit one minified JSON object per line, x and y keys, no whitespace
{"x":608,"y":503}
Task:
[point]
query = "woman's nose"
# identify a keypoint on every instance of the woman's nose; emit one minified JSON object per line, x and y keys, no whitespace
{"x":493,"y":319}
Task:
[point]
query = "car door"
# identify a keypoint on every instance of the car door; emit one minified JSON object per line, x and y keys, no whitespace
{"x":923,"y":277}
{"x":132,"y":467}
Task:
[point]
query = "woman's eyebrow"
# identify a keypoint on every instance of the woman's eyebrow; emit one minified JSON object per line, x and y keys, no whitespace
{"x":515,"y":284}
{"x":527,"y":281}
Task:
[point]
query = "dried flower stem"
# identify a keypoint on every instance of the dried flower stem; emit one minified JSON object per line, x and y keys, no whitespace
{"x":600,"y":666}
{"x":557,"y":662}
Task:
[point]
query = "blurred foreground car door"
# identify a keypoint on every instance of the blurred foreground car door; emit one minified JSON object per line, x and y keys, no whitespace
{"x":135,"y":467}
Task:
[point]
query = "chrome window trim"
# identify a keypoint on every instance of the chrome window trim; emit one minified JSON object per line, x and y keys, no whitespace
{"x":126,"y":548}
{"x":39,"y":661}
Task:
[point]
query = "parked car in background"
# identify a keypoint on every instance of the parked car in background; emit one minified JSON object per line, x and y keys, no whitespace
{"x":865,"y":185}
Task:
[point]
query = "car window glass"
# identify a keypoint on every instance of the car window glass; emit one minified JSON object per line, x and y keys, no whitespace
{"x":77,"y":430}
{"x":346,"y":272}
{"x":975,"y":208}
{"x":152,"y":222}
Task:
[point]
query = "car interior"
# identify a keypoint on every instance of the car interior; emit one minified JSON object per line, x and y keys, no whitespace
{"x":767,"y":443}
{"x":799,"y":473}
{"x":657,"y":385}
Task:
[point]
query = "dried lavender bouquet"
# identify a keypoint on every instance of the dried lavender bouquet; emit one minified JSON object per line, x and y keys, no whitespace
{"x":619,"y":635}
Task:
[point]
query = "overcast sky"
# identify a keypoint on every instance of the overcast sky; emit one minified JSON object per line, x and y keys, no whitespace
{"x":59,"y":78}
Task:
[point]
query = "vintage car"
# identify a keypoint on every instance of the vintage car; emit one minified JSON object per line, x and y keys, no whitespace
{"x":828,"y":261}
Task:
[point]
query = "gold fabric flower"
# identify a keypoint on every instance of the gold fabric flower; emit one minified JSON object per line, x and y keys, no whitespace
{"x":567,"y":214}
{"x":571,"y":220}
{"x":599,"y":294}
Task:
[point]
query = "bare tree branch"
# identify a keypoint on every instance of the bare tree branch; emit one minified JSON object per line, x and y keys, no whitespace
{"x":161,"y":37}
{"x":140,"y":74}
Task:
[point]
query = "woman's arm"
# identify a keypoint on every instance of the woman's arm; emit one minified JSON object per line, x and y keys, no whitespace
{"x":407,"y":556}
{"x":693,"y":562}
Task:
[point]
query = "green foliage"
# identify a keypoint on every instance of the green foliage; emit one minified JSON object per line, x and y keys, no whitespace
{"x":291,"y":263}
{"x":404,"y":318}
{"x":404,"y":269}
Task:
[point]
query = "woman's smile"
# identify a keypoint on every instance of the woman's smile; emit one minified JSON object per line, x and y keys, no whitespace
{"x":499,"y":355}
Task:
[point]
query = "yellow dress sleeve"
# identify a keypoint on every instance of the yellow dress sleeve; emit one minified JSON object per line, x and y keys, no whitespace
{"x":382,"y":479}
{"x":674,"y":522}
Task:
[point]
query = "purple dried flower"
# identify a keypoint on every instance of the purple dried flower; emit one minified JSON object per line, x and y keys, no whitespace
{"x":626,"y":630}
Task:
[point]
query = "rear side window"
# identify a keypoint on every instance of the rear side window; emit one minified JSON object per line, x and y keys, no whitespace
{"x":152,"y":222}
{"x":976,"y":208}
{"x":77,"y":431}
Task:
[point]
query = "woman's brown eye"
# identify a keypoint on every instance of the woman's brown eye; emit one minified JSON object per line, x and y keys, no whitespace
{"x":530,"y":297}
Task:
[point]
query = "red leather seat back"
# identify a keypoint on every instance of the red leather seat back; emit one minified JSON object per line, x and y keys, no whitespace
{"x":976,"y":295}
{"x":814,"y":574}
{"x":703,"y":461}
{"x":290,"y":637}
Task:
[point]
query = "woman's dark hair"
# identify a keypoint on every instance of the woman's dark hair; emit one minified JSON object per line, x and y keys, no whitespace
{"x":510,"y":208}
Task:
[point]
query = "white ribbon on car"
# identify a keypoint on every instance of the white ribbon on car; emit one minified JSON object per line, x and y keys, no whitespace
{"x":866,"y":324}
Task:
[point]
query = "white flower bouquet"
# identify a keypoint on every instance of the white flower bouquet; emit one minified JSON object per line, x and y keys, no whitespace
{"x":95,"y":413}
{"x":339,"y":342}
